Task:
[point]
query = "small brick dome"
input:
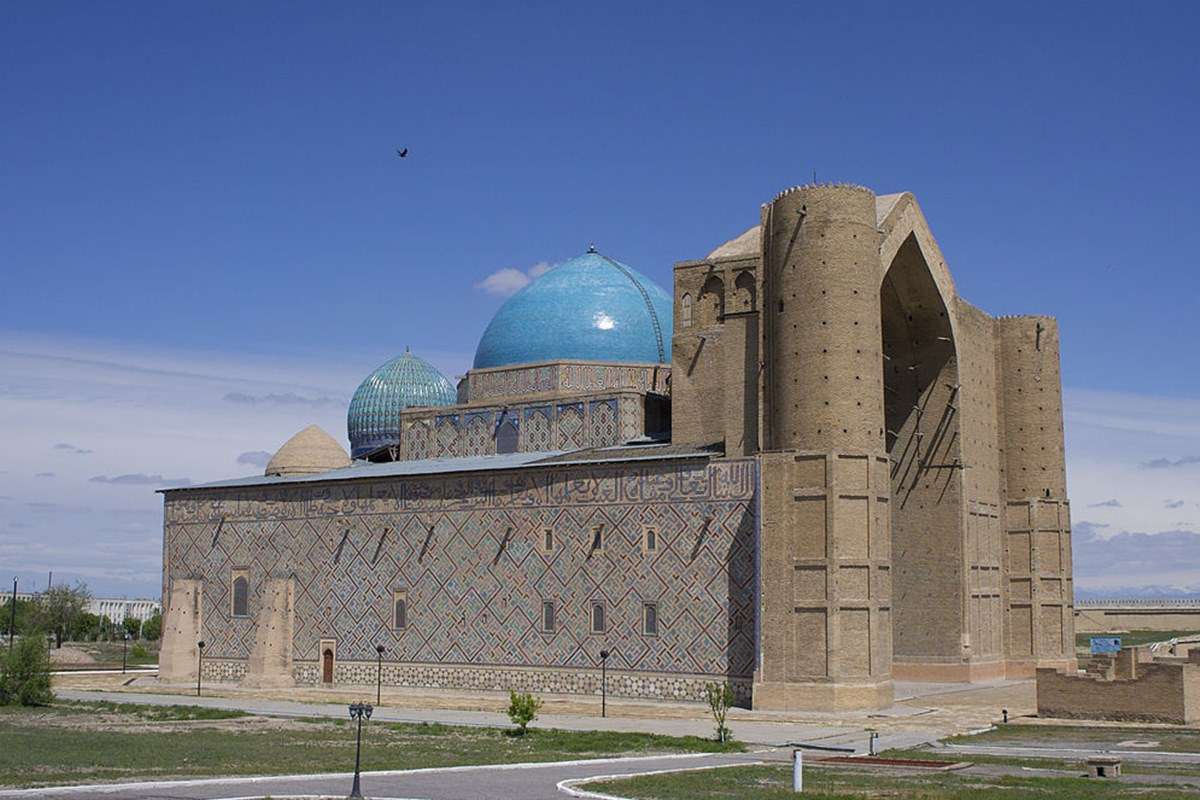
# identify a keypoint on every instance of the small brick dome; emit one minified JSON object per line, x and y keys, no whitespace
{"x":310,"y":451}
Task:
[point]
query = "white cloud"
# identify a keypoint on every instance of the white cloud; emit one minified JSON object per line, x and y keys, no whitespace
{"x":510,"y":280}
{"x":255,"y":458}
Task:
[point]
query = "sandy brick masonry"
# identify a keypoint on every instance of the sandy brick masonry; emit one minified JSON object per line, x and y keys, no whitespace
{"x":1127,"y":687}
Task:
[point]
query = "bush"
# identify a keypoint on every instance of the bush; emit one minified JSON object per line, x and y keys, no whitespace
{"x":522,"y":709}
{"x":152,"y":628}
{"x":25,"y":675}
{"x":139,"y":651}
{"x":720,"y":698}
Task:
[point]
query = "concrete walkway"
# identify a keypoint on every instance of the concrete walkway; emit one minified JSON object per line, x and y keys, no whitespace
{"x":512,"y":782}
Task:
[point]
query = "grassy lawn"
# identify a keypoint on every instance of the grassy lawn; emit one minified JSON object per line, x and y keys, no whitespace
{"x":1083,"y":641}
{"x":775,"y":783}
{"x":1164,"y":739}
{"x":1033,"y":762}
{"x":84,"y":742}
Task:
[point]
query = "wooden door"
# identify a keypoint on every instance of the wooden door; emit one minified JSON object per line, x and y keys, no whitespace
{"x":327,"y":666}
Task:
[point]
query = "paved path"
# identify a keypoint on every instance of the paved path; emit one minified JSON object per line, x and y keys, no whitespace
{"x":771,"y":733}
{"x":1068,"y":751}
{"x":516,"y":782}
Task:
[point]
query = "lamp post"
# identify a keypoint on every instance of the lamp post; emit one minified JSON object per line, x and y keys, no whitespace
{"x":125,"y":653}
{"x":357,"y":712}
{"x":604,"y":683}
{"x":379,"y":674}
{"x":12,"y":616}
{"x":199,"y":664}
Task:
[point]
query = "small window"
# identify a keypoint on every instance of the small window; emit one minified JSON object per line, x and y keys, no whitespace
{"x":598,"y":620}
{"x":548,"y":540}
{"x":598,"y":537}
{"x":548,"y":616}
{"x":241,"y":594}
{"x":399,"y":610}
{"x":650,"y":619}
{"x":685,"y":311}
{"x":649,"y":539}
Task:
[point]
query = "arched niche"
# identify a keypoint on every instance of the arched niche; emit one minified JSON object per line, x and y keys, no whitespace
{"x":712,"y":301}
{"x":921,"y":421}
{"x":743,"y":291}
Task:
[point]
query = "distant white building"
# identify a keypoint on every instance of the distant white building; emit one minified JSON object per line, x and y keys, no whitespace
{"x":115,"y":608}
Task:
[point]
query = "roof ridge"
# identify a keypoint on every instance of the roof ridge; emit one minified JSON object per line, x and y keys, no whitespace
{"x":628,"y":273}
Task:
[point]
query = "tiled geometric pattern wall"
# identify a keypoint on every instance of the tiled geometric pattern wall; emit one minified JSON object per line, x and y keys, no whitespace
{"x":468,"y":549}
{"x":565,"y":424}
{"x":565,"y":378}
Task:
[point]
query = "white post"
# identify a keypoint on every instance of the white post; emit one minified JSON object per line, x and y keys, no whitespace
{"x":797,"y":771}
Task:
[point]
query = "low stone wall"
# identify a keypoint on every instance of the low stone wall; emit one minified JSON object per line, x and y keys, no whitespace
{"x":1159,"y":693}
{"x":1131,"y":615}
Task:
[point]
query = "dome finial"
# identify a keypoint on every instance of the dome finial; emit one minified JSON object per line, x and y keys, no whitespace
{"x":592,"y":247}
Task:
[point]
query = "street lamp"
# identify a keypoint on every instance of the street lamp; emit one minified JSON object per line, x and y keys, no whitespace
{"x":357,"y":712}
{"x":604,"y":683}
{"x":125,"y":653}
{"x":199,"y":664}
{"x":379,"y":674}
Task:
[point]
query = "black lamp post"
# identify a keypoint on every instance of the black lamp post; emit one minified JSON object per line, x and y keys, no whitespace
{"x":199,"y":664}
{"x":604,"y":683}
{"x":357,"y":712}
{"x":12,"y":616}
{"x":125,"y":653}
{"x":379,"y":674}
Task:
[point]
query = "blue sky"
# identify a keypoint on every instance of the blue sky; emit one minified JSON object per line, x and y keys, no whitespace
{"x":201,"y":202}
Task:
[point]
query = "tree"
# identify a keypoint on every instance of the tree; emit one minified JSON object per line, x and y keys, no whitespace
{"x":522,"y":709}
{"x":152,"y":628}
{"x":26,"y":611}
{"x":86,"y":628}
{"x":60,"y":608}
{"x":25,"y":673}
{"x":132,"y":625}
{"x":720,"y":698}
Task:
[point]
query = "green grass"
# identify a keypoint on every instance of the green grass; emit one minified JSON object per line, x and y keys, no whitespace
{"x":775,"y":783}
{"x":150,"y":712}
{"x":1168,"y":740}
{"x":74,"y":743}
{"x":1084,"y":640}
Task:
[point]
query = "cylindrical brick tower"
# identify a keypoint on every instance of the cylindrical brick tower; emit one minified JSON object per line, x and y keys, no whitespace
{"x":821,"y":266}
{"x":825,"y":581}
{"x":1035,"y":462}
{"x":1040,"y":623}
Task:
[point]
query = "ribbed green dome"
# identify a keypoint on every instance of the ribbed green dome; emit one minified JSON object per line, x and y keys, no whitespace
{"x":374,"y":417}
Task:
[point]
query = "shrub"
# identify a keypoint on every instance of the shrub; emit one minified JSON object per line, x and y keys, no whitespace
{"x":25,"y":674}
{"x":720,"y":698}
{"x":522,"y":709}
{"x":152,"y":628}
{"x":139,"y":651}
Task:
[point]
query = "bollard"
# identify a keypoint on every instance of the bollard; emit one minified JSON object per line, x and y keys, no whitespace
{"x":797,"y":771}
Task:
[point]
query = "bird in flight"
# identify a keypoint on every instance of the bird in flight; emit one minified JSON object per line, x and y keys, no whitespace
{"x":402,"y":153}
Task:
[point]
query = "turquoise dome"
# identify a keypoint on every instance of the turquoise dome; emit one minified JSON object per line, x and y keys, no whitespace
{"x":373,"y":421}
{"x":590,"y":308}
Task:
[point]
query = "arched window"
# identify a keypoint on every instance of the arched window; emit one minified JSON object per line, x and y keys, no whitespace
{"x":506,"y":437}
{"x":743,"y":292}
{"x":685,"y":311}
{"x":399,"y":610}
{"x":712,"y":301}
{"x":241,"y":596}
